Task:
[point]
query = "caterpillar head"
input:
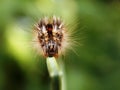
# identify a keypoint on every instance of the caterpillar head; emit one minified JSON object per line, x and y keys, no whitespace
{"x":50,"y":34}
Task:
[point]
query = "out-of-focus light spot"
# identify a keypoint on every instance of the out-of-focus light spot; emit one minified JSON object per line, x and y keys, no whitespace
{"x":18,"y":46}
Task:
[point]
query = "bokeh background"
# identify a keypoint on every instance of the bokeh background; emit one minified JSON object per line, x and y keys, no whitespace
{"x":97,"y":63}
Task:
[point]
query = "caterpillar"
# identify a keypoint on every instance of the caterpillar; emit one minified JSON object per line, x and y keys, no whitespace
{"x":53,"y":37}
{"x":50,"y":35}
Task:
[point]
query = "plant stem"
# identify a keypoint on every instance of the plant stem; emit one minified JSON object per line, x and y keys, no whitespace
{"x":56,"y":74}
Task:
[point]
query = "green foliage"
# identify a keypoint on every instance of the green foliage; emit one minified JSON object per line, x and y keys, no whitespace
{"x":96,"y":65}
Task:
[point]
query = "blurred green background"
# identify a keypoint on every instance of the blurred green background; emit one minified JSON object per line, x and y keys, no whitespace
{"x":97,"y":65}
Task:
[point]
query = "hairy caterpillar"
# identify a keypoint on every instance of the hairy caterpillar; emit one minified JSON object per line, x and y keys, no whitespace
{"x":50,"y":35}
{"x":53,"y":37}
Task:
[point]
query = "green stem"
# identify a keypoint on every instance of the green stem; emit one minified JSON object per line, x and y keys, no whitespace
{"x":56,"y":74}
